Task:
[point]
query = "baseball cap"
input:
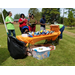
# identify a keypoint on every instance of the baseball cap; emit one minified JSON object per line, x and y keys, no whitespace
{"x":43,"y":15}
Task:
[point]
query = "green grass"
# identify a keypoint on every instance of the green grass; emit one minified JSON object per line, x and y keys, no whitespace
{"x":64,"y":55}
{"x":70,"y":29}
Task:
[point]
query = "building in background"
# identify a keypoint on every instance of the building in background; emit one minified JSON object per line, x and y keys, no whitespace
{"x":16,"y":21}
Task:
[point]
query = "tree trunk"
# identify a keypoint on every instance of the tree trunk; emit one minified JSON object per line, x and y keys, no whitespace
{"x":63,"y":15}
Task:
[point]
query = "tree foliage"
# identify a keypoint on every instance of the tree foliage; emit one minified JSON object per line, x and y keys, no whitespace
{"x":60,"y":20}
{"x":36,"y":13}
{"x":70,"y":18}
{"x":69,"y":9}
{"x":70,"y":21}
{"x":5,"y":14}
{"x":66,"y":22}
{"x":16,"y":16}
{"x":52,"y":14}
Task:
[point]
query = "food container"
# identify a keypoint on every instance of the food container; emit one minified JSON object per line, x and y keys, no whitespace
{"x":41,"y":52}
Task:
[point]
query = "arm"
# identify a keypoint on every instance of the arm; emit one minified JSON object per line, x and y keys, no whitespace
{"x":21,"y":21}
{"x":12,"y":22}
{"x":27,"y":22}
{"x":42,"y":23}
{"x":35,"y":22}
{"x":7,"y":22}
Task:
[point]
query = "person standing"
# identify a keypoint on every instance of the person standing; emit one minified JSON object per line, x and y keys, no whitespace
{"x":10,"y":24}
{"x":42,"y":23}
{"x":62,"y":27}
{"x":29,"y":15}
{"x":22,"y":22}
{"x":32,"y":22}
{"x":28,"y":22}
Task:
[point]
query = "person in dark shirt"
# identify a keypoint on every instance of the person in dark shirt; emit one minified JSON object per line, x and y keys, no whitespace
{"x":42,"y":23}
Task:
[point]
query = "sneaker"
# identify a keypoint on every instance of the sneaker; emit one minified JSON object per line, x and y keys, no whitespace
{"x":60,"y":39}
{"x":29,"y":54}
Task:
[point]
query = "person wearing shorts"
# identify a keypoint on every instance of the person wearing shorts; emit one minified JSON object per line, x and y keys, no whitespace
{"x":42,"y":23}
{"x":10,"y":24}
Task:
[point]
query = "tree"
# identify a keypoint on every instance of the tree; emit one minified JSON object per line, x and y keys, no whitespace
{"x":60,"y":20}
{"x":66,"y":23}
{"x":1,"y":20}
{"x":68,"y":11}
{"x":52,"y":14}
{"x":70,"y":19}
{"x":38,"y":16}
{"x":17,"y":16}
{"x":35,"y":12}
{"x":5,"y":14}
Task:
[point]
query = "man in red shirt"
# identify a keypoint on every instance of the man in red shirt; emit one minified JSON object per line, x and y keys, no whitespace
{"x":22,"y":22}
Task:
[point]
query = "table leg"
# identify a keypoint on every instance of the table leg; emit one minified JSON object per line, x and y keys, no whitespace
{"x":30,"y":48}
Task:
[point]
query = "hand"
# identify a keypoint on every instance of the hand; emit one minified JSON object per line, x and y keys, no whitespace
{"x":9,"y":22}
{"x":30,"y":24}
{"x":33,"y":23}
{"x":23,"y":20}
{"x":44,"y":24}
{"x":12,"y":22}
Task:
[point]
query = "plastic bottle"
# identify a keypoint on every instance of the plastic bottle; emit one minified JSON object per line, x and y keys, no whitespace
{"x":37,"y":33}
{"x":47,"y":32}
{"x":30,"y":35}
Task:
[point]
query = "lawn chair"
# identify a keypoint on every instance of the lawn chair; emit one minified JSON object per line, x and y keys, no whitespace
{"x":16,"y":48}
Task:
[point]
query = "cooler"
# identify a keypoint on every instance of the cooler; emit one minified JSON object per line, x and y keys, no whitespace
{"x":41,"y":52}
{"x":54,"y":28}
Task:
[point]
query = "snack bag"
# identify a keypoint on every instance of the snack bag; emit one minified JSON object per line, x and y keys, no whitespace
{"x":52,"y":48}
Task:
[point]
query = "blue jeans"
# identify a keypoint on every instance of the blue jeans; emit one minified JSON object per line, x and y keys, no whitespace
{"x":13,"y":31}
{"x":62,"y":29}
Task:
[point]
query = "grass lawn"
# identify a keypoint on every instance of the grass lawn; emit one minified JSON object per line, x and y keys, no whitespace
{"x":64,"y":55}
{"x":70,"y":29}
